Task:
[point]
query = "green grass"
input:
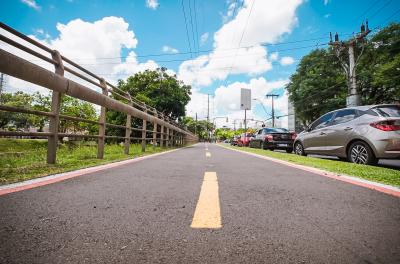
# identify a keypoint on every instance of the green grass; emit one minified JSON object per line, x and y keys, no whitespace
{"x":23,"y":159}
{"x":372,"y":173}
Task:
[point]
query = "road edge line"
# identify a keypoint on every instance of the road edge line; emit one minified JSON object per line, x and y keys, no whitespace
{"x":380,"y":187}
{"x":49,"y":179}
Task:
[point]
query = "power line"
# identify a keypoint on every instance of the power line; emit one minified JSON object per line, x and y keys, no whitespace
{"x":195,"y":20}
{"x":191,"y":23}
{"x":187,"y":31}
{"x":369,"y":8}
{"x":240,"y":42}
{"x":210,"y":50}
{"x":215,"y":57}
{"x":387,"y":19}
{"x":380,"y":9}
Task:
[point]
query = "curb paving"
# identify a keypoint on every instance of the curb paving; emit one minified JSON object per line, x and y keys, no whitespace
{"x":391,"y":190}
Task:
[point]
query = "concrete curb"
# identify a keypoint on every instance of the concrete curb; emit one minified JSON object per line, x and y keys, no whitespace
{"x":29,"y":184}
{"x":391,"y":190}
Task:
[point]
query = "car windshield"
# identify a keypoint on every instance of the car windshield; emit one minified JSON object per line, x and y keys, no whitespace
{"x":275,"y":130}
{"x":388,"y":111}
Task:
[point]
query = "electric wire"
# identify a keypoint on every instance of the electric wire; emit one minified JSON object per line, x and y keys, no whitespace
{"x":187,"y":31}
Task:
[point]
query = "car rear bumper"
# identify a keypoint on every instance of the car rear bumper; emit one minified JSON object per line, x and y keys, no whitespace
{"x":387,"y":147}
{"x":279,"y":144}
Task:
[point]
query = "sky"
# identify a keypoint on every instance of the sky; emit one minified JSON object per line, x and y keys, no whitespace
{"x":216,"y":46}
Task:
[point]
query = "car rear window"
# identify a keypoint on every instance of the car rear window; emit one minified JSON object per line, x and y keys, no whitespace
{"x":388,"y":111}
{"x":275,"y":130}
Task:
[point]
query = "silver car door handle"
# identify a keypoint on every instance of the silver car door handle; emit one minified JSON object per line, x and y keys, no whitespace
{"x":348,"y":128}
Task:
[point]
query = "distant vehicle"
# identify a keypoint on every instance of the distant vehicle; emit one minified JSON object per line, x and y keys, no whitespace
{"x":245,"y":139}
{"x":234,"y":140}
{"x":362,"y":134}
{"x":226,"y":141}
{"x":274,"y":138}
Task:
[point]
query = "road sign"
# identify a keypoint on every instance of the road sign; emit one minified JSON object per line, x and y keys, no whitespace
{"x":245,"y":99}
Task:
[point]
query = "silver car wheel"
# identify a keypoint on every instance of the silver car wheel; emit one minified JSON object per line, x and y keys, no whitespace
{"x":299,"y":149}
{"x":359,"y":154}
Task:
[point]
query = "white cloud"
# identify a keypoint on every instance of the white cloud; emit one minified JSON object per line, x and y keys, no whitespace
{"x":168,"y":49}
{"x":273,"y":18}
{"x":97,"y":46}
{"x":227,"y":102}
{"x":152,"y":4}
{"x":326,"y":2}
{"x":286,"y":61}
{"x":231,"y":8}
{"x":197,"y":104}
{"x":31,"y":3}
{"x":203,"y":38}
{"x":273,"y":56}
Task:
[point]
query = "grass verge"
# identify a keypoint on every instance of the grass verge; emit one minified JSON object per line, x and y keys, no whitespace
{"x":24,"y":159}
{"x":372,"y":173}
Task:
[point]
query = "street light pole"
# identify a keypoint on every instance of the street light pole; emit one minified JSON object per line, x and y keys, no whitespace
{"x":273,"y":110}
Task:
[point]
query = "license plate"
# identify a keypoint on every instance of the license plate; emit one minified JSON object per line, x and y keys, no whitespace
{"x":282,"y":145}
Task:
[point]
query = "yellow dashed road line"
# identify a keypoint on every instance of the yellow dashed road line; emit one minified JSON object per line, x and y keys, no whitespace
{"x":208,"y":213}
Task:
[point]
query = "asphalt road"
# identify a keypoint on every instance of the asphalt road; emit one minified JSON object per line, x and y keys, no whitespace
{"x":144,"y":212}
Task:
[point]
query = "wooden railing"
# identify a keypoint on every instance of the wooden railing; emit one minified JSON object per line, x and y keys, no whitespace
{"x":165,"y":131}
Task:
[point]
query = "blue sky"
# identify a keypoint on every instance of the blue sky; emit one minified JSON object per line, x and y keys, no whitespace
{"x":254,"y":44}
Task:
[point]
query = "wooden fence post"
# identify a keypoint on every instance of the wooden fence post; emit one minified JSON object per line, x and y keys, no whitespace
{"x":144,"y":133}
{"x":102,"y":125}
{"x":128,"y":130}
{"x":55,"y":110}
{"x":162,"y":133}
{"x":167,"y":139}
{"x":154,"y":135}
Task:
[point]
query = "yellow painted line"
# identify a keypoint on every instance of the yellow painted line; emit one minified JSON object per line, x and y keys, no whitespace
{"x":208,"y":154}
{"x":208,"y":212}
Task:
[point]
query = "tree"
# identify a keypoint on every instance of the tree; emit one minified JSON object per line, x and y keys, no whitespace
{"x":317,"y":86}
{"x":200,"y":127}
{"x":157,"y":89}
{"x":69,"y":106}
{"x":13,"y":120}
{"x":319,"y":83}
{"x":378,"y":71}
{"x":74,"y":107}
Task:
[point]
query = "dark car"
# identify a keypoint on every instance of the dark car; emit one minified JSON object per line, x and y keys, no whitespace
{"x":234,"y":141}
{"x":245,"y":139}
{"x":274,"y":138}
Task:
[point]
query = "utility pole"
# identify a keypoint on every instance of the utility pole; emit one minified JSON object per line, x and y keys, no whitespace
{"x":353,"y":98}
{"x":273,"y":109}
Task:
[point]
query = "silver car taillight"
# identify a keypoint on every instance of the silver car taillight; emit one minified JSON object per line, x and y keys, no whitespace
{"x":388,"y":125}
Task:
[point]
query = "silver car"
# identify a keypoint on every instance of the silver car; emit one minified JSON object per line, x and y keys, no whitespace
{"x":361,"y":134}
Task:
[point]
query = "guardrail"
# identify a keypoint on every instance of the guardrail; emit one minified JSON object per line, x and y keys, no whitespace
{"x":165,"y":131}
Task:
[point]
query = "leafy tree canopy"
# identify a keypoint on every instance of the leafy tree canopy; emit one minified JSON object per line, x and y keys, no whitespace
{"x":160,"y":90}
{"x":319,"y":84}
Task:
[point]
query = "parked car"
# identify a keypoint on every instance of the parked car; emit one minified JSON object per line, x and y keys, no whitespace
{"x":234,"y":140}
{"x":245,"y":139}
{"x":274,"y":138}
{"x":362,"y":134}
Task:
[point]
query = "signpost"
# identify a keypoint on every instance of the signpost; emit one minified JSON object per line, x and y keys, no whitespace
{"x":245,"y":103}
